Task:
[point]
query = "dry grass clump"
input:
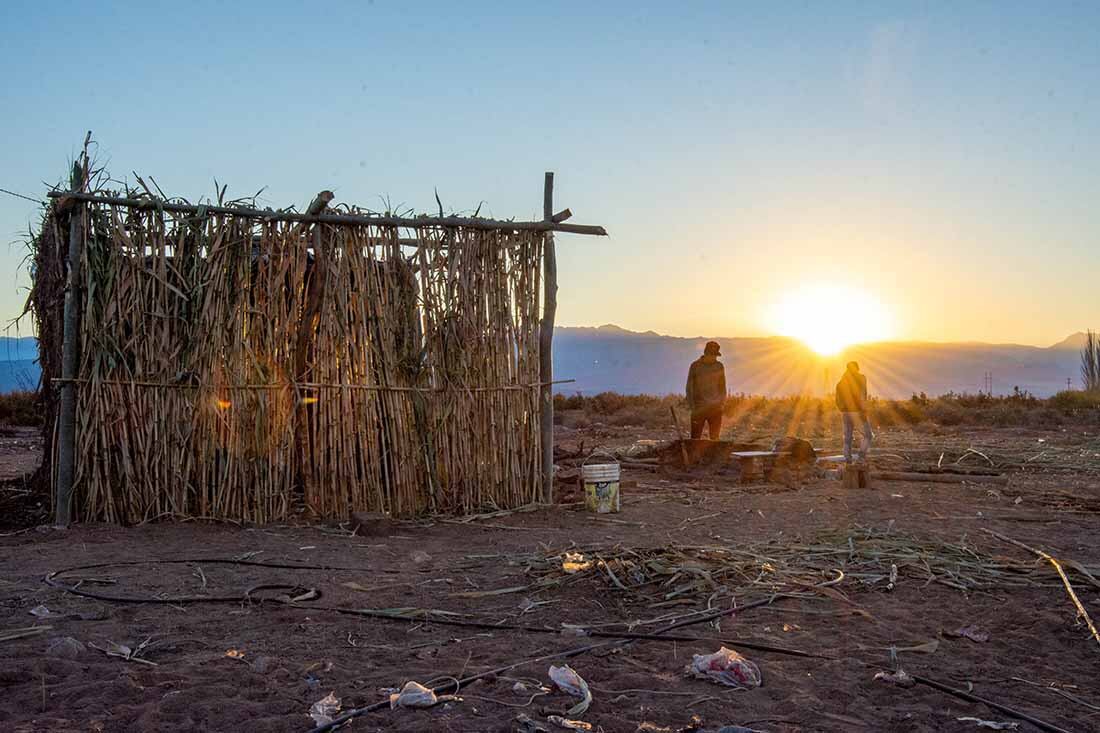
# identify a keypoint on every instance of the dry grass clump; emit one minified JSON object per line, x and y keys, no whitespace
{"x":849,"y":559}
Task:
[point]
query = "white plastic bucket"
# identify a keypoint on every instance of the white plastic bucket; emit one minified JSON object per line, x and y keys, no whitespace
{"x":601,"y":487}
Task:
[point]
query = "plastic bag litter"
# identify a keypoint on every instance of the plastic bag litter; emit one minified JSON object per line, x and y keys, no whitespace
{"x":901,"y":678}
{"x":325,"y":709}
{"x":416,"y":695}
{"x":993,"y":724}
{"x":66,"y":647}
{"x":571,"y":683}
{"x":725,"y":667}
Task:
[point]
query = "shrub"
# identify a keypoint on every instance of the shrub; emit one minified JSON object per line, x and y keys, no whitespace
{"x":20,"y":408}
{"x":754,"y":414}
{"x":1071,"y":400}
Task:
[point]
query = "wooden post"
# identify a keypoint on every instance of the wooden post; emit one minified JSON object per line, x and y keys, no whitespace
{"x":70,"y":362}
{"x":546,"y":343}
{"x":308,"y":324}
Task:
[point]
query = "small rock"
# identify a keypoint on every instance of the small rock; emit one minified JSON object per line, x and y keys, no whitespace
{"x":65,"y":647}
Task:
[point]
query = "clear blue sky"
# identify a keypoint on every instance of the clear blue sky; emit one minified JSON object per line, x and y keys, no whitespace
{"x":942,"y":156}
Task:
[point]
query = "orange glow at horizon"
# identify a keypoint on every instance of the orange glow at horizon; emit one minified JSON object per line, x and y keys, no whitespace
{"x":830,"y":318}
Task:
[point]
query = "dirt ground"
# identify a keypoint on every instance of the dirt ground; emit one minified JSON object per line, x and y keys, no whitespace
{"x":259,"y":665}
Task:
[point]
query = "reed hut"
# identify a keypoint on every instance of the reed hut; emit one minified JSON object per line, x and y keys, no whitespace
{"x":228,"y":362}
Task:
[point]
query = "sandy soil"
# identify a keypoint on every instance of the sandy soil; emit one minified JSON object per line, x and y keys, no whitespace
{"x":293,"y":656}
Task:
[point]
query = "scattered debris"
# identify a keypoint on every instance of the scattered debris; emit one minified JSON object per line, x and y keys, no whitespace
{"x":526,"y":724}
{"x":325,"y":709}
{"x":419,"y":557}
{"x":122,"y":651}
{"x":642,"y":448}
{"x":893,"y":577}
{"x":901,"y":678}
{"x":726,"y":667}
{"x":993,"y":724}
{"x":65,"y":647}
{"x":571,"y":683}
{"x":416,"y":695}
{"x":234,"y":654}
{"x":574,"y":562}
{"x":1082,"y":614}
{"x":25,"y":631}
{"x":928,"y":647}
{"x":569,"y":724}
{"x":42,"y":612}
{"x":678,"y":574}
{"x":969,"y":632}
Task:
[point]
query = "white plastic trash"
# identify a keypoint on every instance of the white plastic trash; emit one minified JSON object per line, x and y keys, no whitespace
{"x":601,"y":487}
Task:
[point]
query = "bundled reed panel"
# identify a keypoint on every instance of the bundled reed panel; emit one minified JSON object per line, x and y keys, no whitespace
{"x":237,"y":367}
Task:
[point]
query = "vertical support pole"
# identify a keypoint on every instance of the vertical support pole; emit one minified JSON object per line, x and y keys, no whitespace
{"x":304,"y":346}
{"x":70,"y":362}
{"x":546,"y":343}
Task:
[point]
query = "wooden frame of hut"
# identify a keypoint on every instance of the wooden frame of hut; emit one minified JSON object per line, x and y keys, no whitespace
{"x":234,"y":363}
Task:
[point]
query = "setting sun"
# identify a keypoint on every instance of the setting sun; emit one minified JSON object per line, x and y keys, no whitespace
{"x":829,"y":318}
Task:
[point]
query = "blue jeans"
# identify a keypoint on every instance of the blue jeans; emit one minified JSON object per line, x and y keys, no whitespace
{"x":850,"y":420}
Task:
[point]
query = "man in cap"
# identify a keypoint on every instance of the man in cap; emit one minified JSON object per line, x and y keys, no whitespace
{"x":851,"y":400}
{"x":706,"y":392}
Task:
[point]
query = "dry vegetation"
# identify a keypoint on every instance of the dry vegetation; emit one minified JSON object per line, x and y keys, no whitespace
{"x":20,"y":409}
{"x":815,"y":417}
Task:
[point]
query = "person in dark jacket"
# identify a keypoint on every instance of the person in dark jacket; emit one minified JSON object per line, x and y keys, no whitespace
{"x":851,"y":400}
{"x":706,"y":392}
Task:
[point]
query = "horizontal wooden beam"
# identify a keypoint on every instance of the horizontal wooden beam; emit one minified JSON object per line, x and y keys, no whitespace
{"x":419,"y":222}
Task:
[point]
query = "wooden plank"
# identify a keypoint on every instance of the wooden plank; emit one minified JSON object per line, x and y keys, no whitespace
{"x":940,"y":478}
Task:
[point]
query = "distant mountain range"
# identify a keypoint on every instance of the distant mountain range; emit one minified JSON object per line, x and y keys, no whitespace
{"x":18,"y":370}
{"x":609,"y":358}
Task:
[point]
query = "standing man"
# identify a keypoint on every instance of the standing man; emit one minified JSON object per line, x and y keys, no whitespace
{"x":851,"y":400}
{"x":706,"y":392}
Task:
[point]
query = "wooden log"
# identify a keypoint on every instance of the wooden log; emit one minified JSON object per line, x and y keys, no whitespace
{"x":940,"y":478}
{"x":546,"y":343}
{"x":855,"y":476}
{"x":70,"y":363}
{"x":639,"y":465}
{"x":419,"y":222}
